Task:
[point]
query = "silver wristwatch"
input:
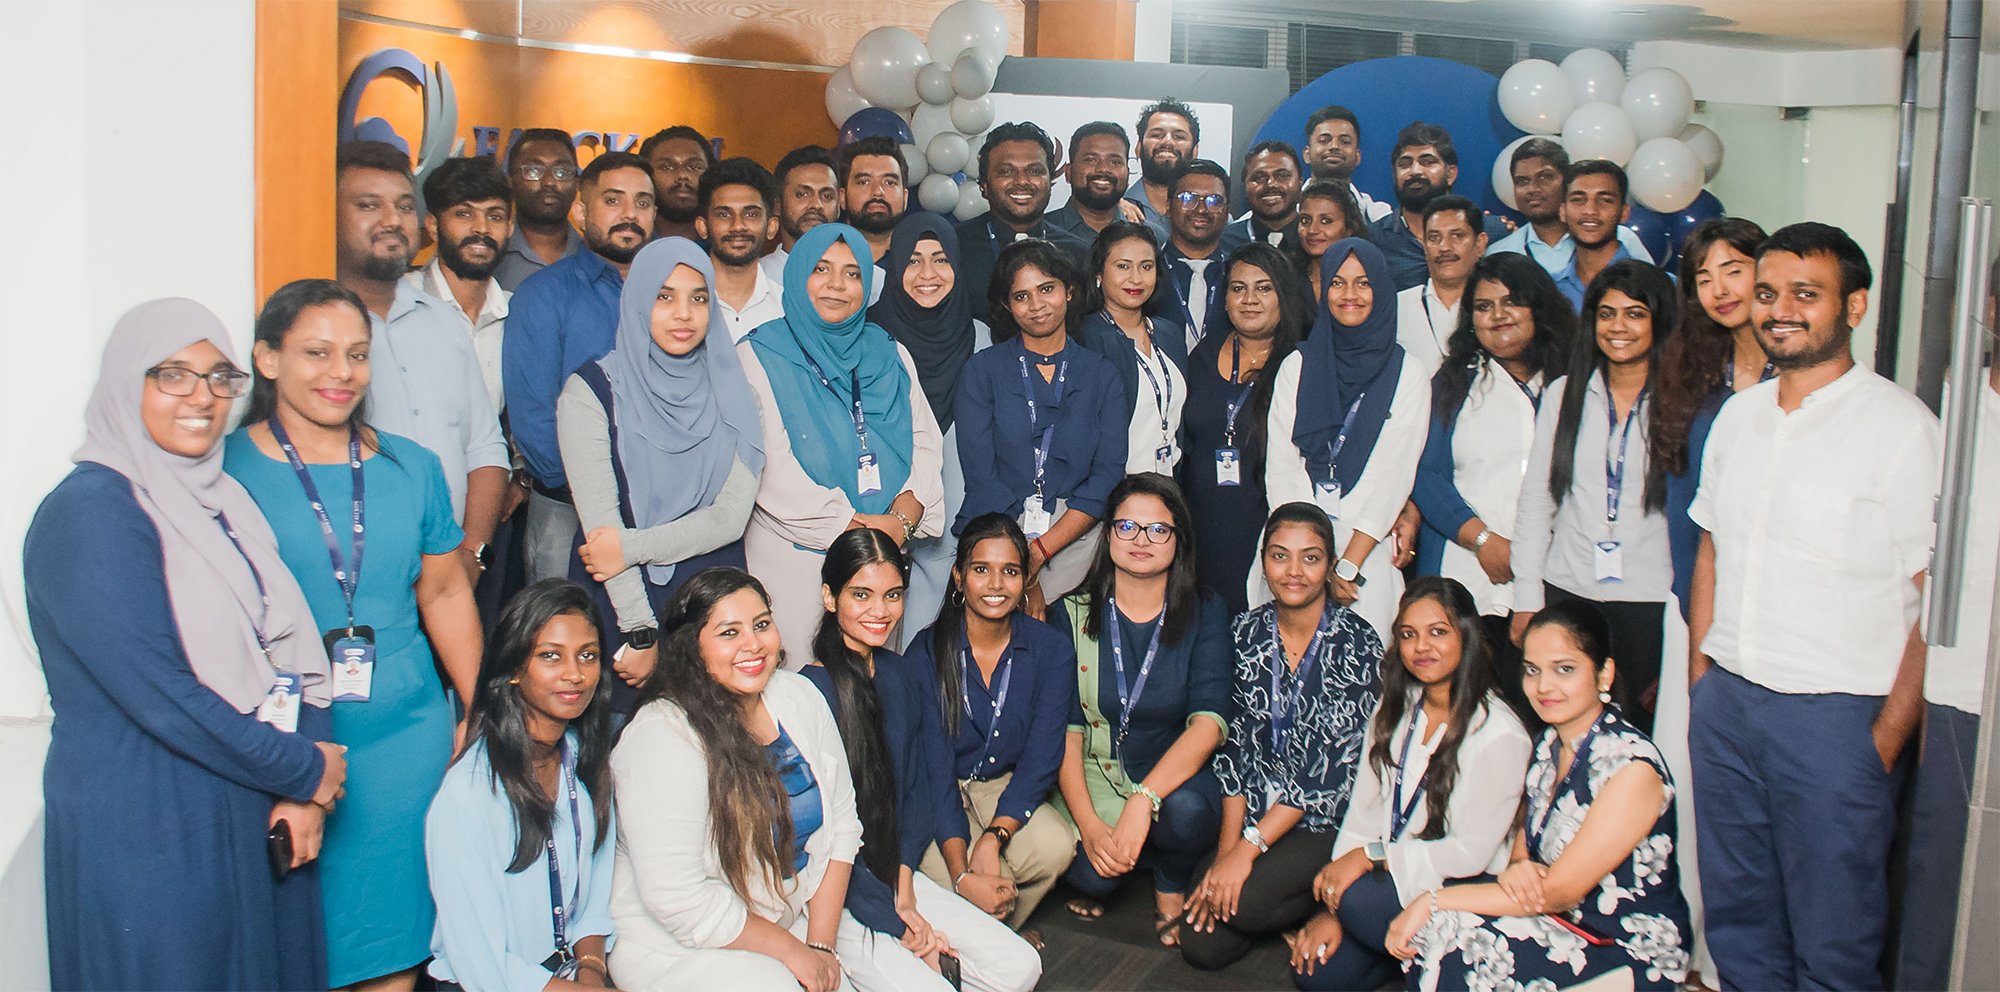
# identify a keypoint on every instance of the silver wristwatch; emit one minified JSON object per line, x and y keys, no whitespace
{"x":1255,"y":838}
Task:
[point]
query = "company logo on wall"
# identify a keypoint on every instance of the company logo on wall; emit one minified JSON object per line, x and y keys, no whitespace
{"x":439,"y":140}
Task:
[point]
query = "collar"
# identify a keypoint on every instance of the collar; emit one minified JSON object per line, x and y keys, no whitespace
{"x":408,"y":300}
{"x":596,"y":267}
{"x":1832,"y":392}
{"x":517,"y":244}
{"x":1039,"y":229}
{"x":1569,"y":271}
{"x":1174,"y":254}
{"x":764,"y":288}
{"x":433,"y":282}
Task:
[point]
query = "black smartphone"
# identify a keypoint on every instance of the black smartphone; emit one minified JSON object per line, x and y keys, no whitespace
{"x":948,"y":967}
{"x":278,"y":844}
{"x":1586,"y":931}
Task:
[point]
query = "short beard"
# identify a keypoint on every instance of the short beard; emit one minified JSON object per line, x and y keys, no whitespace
{"x":528,"y":212}
{"x":453,"y":259}
{"x":1156,"y":173}
{"x":1414,"y":200}
{"x":1837,"y":345}
{"x":724,"y":256}
{"x":675,"y":215}
{"x":1084,"y":197}
{"x":375,"y":268}
{"x":869,"y":225}
{"x":611,"y":251}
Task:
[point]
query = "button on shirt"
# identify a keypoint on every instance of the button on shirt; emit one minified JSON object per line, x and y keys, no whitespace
{"x":564,"y":316}
{"x":1029,"y":739}
{"x":1424,"y":325}
{"x":1819,"y":517}
{"x":766,"y":303}
{"x":486,"y":326}
{"x":425,"y":385}
{"x":518,"y":261}
{"x":1554,"y":258}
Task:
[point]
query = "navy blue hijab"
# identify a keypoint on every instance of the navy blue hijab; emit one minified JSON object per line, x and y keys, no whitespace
{"x":1340,"y":365}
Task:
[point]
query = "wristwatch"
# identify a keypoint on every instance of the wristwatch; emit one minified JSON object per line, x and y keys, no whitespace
{"x":1255,"y":838}
{"x":1479,"y":543}
{"x":1377,"y":854}
{"x":642,"y":639}
{"x":481,"y":553}
{"x":1346,"y":571}
{"x":1003,"y":835}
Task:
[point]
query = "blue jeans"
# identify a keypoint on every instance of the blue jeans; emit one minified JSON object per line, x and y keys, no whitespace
{"x":1183,"y":833}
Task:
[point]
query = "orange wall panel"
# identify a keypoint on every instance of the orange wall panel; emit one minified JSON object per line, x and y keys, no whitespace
{"x":298,"y":89}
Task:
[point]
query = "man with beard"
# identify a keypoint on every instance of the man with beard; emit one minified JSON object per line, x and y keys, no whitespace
{"x":469,"y":219}
{"x":1593,"y":208}
{"x":1015,"y":166}
{"x":1198,"y":212}
{"x":737,"y":199}
{"x":1426,"y":164}
{"x":808,"y":196}
{"x":1169,"y":135}
{"x":562,"y":317}
{"x":677,"y":157}
{"x":1098,"y":171}
{"x":1537,"y":167}
{"x":1427,"y":314}
{"x":874,"y":193}
{"x":1272,"y":183}
{"x":541,"y":171}
{"x":425,"y":382}
{"x":1816,"y":498}
{"x":1333,"y":150}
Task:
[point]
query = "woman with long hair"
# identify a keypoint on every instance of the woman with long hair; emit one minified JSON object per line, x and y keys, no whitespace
{"x":1592,"y":883}
{"x":524,"y":815}
{"x":1436,"y":798}
{"x":662,"y":445}
{"x":1230,"y":384}
{"x":1153,"y":676}
{"x":884,"y":708}
{"x":1328,"y":213}
{"x":364,"y":522}
{"x":1005,"y":684}
{"x":1305,"y":682}
{"x":1125,"y":267}
{"x":189,"y":685}
{"x":1591,"y":523}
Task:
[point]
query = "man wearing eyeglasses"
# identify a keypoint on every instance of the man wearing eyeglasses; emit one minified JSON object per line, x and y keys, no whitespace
{"x":1197,"y":216}
{"x":541,"y":171}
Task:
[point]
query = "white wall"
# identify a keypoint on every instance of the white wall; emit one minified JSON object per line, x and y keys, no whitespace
{"x":136,"y":182}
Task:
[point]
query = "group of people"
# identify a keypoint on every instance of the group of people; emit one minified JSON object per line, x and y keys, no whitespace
{"x":702,"y":521}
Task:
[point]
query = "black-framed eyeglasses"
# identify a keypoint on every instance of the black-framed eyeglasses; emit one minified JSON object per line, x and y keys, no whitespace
{"x":1129,"y":530}
{"x":174,"y":380}
{"x":1212,"y":201}
{"x":534,"y":171}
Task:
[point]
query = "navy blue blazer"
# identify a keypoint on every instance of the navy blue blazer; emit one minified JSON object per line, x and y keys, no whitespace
{"x":996,"y":447}
{"x":980,"y":241}
{"x":1181,"y":280}
{"x":1100,"y":335}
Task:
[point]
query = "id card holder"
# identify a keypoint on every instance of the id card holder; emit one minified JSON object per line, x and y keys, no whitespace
{"x":868,"y":474}
{"x":352,"y":651}
{"x":1608,"y":560}
{"x":1163,"y":459}
{"x":1326,"y":493}
{"x":280,"y":707}
{"x":561,"y":965}
{"x":1034,"y":517}
{"x":1228,"y":467}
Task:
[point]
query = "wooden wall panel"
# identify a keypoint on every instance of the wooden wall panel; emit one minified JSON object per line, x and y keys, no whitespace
{"x":298,"y":92}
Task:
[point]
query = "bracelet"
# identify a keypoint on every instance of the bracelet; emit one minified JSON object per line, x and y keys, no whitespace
{"x":960,"y":877}
{"x":909,"y":529}
{"x":1043,"y":548}
{"x":1479,"y":543}
{"x":1142,"y":789}
{"x":595,"y":963}
{"x":828,"y":949}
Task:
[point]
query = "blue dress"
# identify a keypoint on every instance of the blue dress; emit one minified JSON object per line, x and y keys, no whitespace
{"x":379,"y":915}
{"x":802,"y":796}
{"x":1230,"y":519}
{"x":1638,"y":905}
{"x":158,"y":792}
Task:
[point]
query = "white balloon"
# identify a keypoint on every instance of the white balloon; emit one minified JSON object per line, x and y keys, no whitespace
{"x":1535,"y":96}
{"x":930,"y":120}
{"x":842,"y":100}
{"x":913,"y":157}
{"x":972,"y":116}
{"x":1503,"y":173}
{"x":1659,"y":102}
{"x":972,"y":75}
{"x":934,"y":83}
{"x":1595,"y":74}
{"x":973,"y":143}
{"x":1665,"y":175}
{"x":938,"y":193}
{"x":1599,"y":130}
{"x":969,"y":24}
{"x":1707,"y":146}
{"x":948,"y":152}
{"x":971,"y":202}
{"x":885,"y":65}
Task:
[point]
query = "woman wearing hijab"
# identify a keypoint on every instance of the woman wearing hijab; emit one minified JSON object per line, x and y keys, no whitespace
{"x":192,"y":718}
{"x":662,"y":445}
{"x":849,"y":439}
{"x":1357,"y":415}
{"x":929,"y":312}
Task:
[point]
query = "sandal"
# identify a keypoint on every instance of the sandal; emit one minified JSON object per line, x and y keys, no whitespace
{"x":1168,"y":929}
{"x":1089,"y":910}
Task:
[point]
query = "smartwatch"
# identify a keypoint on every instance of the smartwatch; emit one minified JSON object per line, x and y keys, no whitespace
{"x":1377,"y":854}
{"x":643,"y":639}
{"x":1346,"y":571}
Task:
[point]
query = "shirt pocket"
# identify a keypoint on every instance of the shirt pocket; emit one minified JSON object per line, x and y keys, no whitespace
{"x":1825,"y":527}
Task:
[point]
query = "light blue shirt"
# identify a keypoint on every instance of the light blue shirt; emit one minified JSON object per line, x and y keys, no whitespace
{"x":494,"y":928}
{"x":1554,"y":258}
{"x":1574,"y":288}
{"x":425,"y":384}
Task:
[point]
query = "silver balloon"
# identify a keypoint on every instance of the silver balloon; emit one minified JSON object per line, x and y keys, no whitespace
{"x":1535,"y":96}
{"x":842,"y":100}
{"x":972,"y":116}
{"x":885,"y":65}
{"x":929,"y":121}
{"x":1595,"y":74}
{"x":969,"y":24}
{"x":972,"y":75}
{"x":1665,"y":175}
{"x":971,"y":202}
{"x":934,"y":83}
{"x":1707,"y":146}
{"x":1659,"y":102}
{"x":948,"y":152}
{"x":938,"y":193}
{"x":919,"y":167}
{"x":1599,"y":130}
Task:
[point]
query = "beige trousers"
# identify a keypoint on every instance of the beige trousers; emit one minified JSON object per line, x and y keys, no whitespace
{"x":1034,"y":859}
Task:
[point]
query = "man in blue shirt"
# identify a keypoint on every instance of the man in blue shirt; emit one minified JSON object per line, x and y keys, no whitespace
{"x":1098,"y":171}
{"x":561,"y":318}
{"x":1169,"y":136}
{"x":1537,"y":169}
{"x":1198,"y":214}
{"x":1594,"y":207}
{"x":541,"y":172}
{"x":1015,"y":167}
{"x":1426,"y":164}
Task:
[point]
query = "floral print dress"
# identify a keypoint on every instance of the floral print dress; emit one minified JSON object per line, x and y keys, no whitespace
{"x":1639,"y":905}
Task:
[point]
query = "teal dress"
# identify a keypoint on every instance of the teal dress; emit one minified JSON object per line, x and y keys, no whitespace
{"x":375,"y":890}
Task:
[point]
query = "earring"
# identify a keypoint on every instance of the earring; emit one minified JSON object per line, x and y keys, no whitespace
{"x":1604,"y":696}
{"x":513,"y":681}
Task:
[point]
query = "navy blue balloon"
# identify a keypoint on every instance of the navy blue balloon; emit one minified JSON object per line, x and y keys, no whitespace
{"x":1655,"y":231}
{"x":1704,"y":208}
{"x":875,"y":122}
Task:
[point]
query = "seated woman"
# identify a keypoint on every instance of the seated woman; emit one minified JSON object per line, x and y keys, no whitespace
{"x":1593,"y":886}
{"x":1436,"y":800}
{"x":1305,"y":682}
{"x":987,"y":653}
{"x":663,"y":446}
{"x":1153,"y":675}
{"x":1150,"y":352}
{"x":525,"y":810}
{"x":896,"y":747}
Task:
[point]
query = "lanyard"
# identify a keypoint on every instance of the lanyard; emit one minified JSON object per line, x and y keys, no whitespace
{"x":1538,"y":825}
{"x":1048,"y":434}
{"x":1399,"y":811}
{"x":256,"y":622}
{"x":999,"y":698}
{"x":1534,"y":398}
{"x":1430,"y":322}
{"x":994,"y":239}
{"x":348,"y":577}
{"x":1614,"y":465}
{"x":1340,"y":440}
{"x":1208,"y":290}
{"x":1242,"y":392}
{"x":559,"y":908}
{"x":1128,"y":696}
{"x":854,"y":411}
{"x":1729,"y":373}
{"x":1285,"y":706}
{"x":1163,"y":401}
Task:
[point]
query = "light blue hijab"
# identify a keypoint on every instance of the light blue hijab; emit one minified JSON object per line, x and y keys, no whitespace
{"x":681,"y":422}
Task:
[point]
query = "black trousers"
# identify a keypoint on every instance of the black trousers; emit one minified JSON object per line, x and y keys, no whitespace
{"x":1636,"y":634}
{"x":1277,"y":896}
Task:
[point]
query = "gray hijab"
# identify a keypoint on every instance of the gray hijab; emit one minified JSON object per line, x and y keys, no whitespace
{"x":214,"y":595}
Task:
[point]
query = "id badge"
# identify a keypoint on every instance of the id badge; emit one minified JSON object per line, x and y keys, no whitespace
{"x":1228,"y":467}
{"x":1326,"y":493}
{"x":561,"y":965}
{"x":1609,"y":559}
{"x":352,"y":651}
{"x":280,"y":707}
{"x":1034,"y":517}
{"x":1163,"y":459}
{"x":868,"y":474}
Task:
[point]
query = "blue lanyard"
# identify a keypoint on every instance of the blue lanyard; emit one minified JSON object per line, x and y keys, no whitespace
{"x":1285,"y":706}
{"x":1128,"y":696}
{"x":1340,"y":440}
{"x":854,"y":411}
{"x":560,"y":908}
{"x":994,"y":239}
{"x":1430,"y":324}
{"x":348,"y":577}
{"x":1163,"y":401}
{"x":1181,"y":294}
{"x":999,"y":698}
{"x":1729,"y":373}
{"x":1614,"y":465}
{"x":1242,"y":393}
{"x":1048,"y":434}
{"x":256,"y":622}
{"x":1399,"y":811}
{"x":1534,"y":398}
{"x":1536,"y":827}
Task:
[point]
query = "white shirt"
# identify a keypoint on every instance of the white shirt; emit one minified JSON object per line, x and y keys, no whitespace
{"x":1371,"y":210}
{"x":1559,"y":544}
{"x":1424,"y":325}
{"x":766,"y":303}
{"x":1197,"y":299}
{"x":1956,"y":676}
{"x":487,"y":326}
{"x":1554,"y":258}
{"x":1145,"y":437}
{"x":1479,"y":816}
{"x":1820,"y":517}
{"x":1490,"y":443}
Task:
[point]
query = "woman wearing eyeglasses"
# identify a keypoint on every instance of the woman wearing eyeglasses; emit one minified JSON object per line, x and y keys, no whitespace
{"x":1153,"y":677}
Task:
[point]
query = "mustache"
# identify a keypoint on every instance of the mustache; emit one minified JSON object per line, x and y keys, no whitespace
{"x":477,"y":239}
{"x":627,"y":226}
{"x":1106,"y":176}
{"x":814,"y":213}
{"x":397,"y":235}
{"x":875,"y":202}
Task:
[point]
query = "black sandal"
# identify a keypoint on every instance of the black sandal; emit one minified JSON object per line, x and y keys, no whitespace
{"x":1088,"y":910}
